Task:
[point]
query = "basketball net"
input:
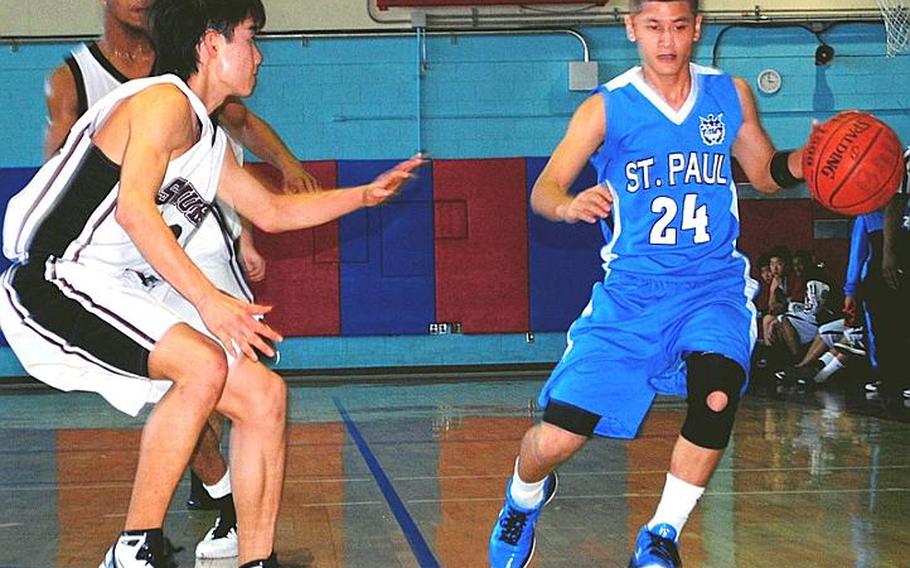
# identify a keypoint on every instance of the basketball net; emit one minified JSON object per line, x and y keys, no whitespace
{"x":896,"y":14}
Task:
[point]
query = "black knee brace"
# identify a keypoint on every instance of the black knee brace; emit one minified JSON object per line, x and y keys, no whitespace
{"x":708,"y":373}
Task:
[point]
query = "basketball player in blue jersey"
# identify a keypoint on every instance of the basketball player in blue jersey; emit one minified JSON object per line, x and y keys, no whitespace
{"x":90,"y":72}
{"x":673,"y":314}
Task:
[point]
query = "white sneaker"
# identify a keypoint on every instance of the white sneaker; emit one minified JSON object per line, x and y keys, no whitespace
{"x":219,"y":542}
{"x":140,"y":549}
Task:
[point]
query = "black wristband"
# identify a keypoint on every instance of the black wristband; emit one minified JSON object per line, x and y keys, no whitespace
{"x":780,"y":170}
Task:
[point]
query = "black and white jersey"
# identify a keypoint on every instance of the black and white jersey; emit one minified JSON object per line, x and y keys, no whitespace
{"x":65,"y":212}
{"x":95,"y":77}
{"x":94,"y":74}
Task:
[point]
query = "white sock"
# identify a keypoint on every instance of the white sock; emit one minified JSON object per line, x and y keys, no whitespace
{"x":830,"y":368}
{"x":526,"y":495}
{"x":826,"y":357}
{"x":678,"y":500}
{"x":220,"y":489}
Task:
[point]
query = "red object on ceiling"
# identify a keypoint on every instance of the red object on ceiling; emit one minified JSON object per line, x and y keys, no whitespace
{"x":386,"y":4}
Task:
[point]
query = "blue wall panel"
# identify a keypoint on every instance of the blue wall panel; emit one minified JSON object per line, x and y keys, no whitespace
{"x":11,"y":181}
{"x":387,"y":270}
{"x":22,"y":108}
{"x":564,"y":260}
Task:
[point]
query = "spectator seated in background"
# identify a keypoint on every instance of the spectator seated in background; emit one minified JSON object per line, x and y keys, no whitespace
{"x":800,"y":324}
{"x":779,"y":265}
{"x":764,"y":281}
{"x":802,"y":267}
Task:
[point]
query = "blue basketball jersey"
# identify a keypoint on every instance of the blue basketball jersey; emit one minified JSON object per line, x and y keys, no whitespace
{"x":675,"y":210}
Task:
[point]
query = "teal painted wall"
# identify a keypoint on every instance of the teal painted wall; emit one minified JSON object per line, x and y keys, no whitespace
{"x":478,"y":97}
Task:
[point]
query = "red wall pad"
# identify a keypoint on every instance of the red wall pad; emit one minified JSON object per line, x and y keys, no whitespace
{"x":302,"y":280}
{"x":481,"y":244}
{"x":765,"y":223}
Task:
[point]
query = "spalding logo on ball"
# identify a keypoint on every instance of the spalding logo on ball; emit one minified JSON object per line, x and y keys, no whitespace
{"x":853,"y":163}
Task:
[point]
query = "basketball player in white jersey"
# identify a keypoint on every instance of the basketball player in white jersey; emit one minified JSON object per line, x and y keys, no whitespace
{"x":104,"y":221}
{"x":93,"y":70}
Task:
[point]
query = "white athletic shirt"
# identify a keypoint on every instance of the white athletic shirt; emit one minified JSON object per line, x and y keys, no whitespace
{"x":94,"y":74}
{"x":184,"y":198}
{"x":95,"y":77}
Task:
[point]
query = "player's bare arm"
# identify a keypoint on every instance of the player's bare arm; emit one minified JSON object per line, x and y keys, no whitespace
{"x":169,"y":128}
{"x":753,"y":147}
{"x":255,"y":134}
{"x":550,"y":197}
{"x":274,"y":213}
{"x":62,"y":108}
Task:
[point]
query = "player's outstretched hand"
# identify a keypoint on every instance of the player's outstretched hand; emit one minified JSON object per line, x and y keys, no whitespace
{"x":589,"y":206}
{"x":237,"y":325}
{"x":388,"y":183}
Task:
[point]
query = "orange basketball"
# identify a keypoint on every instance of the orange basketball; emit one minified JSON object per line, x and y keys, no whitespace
{"x":853,"y":163}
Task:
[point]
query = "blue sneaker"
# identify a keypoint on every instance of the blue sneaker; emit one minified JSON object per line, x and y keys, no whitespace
{"x":512,"y":542}
{"x":656,"y":548}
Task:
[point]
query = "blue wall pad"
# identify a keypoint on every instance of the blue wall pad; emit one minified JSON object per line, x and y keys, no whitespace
{"x":564,"y":260}
{"x":387,"y":271}
{"x":11,"y":181}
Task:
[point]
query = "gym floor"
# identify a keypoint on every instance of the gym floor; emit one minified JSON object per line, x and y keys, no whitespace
{"x":406,"y":473}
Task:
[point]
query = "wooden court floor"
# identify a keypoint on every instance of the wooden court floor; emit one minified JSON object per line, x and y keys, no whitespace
{"x":388,"y":475}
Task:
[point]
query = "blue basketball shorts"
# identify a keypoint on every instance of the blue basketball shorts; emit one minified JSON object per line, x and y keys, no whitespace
{"x":630,"y":344}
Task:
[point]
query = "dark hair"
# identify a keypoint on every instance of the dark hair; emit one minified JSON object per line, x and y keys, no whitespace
{"x":177,"y":26}
{"x":635,"y":5}
{"x":781,"y":252}
{"x":764,"y":261}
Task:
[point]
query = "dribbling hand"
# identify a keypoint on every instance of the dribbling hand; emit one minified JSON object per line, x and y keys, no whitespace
{"x":590,"y":206}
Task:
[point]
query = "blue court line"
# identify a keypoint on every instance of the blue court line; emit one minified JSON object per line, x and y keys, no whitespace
{"x":419,"y":546}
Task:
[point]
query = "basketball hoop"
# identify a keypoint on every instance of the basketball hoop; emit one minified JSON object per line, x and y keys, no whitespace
{"x":896,"y":14}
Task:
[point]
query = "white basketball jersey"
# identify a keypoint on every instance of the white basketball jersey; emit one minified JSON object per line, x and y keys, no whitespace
{"x":92,"y":235}
{"x":95,"y":77}
{"x":94,"y":74}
